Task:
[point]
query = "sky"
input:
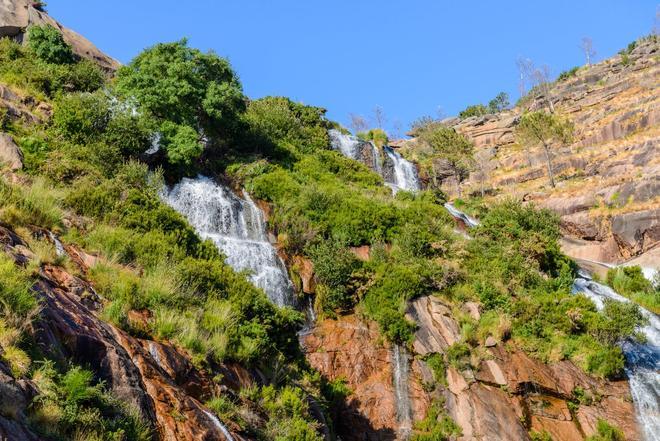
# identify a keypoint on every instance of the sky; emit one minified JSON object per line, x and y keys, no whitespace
{"x":411,"y":58}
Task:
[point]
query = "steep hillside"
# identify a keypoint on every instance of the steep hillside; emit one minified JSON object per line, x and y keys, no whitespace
{"x":179,"y":262}
{"x":608,"y":189}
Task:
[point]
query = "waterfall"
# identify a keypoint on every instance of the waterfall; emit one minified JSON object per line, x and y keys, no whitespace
{"x":469,"y":221}
{"x":401,"y":392}
{"x":405,"y":173}
{"x":238,"y":229}
{"x":216,"y":422}
{"x":59,"y":248}
{"x":642,"y":359}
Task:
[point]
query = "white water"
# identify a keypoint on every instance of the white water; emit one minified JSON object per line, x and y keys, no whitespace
{"x":218,"y":424}
{"x":348,"y":145}
{"x":59,"y":248}
{"x":469,"y":221}
{"x":643,"y":360}
{"x":401,"y":392}
{"x":238,"y":229}
{"x":405,"y":173}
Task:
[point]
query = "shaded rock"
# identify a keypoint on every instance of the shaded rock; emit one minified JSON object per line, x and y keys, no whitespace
{"x":437,"y":328}
{"x":490,"y":342}
{"x":636,"y":232}
{"x":345,"y":349}
{"x":10,"y":153}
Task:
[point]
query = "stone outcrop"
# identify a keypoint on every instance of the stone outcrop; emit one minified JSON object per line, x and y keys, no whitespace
{"x":156,"y":378}
{"x":608,"y":191}
{"x":507,"y":396}
{"x":17,"y":15}
{"x":10,"y":154}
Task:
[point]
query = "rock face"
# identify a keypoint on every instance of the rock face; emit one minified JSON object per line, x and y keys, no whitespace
{"x":508,"y":396}
{"x":608,"y":190}
{"x":156,"y":378}
{"x":17,"y":15}
{"x":10,"y":154}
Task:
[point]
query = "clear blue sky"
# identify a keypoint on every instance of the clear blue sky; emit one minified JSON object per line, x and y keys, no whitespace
{"x":410,"y":57}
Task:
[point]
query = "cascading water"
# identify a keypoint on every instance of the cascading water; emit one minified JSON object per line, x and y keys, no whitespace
{"x":350,"y":146}
{"x":405,"y":173}
{"x":404,"y":176}
{"x":401,"y":392}
{"x":469,"y":221}
{"x":238,"y":229}
{"x":642,"y":359}
{"x":216,"y":422}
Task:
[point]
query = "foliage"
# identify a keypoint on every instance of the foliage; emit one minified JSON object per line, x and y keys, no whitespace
{"x":515,"y":267}
{"x":48,"y":45}
{"x":565,"y":75}
{"x":450,"y":145}
{"x":437,"y":426}
{"x":629,"y":281}
{"x":499,"y":103}
{"x":196,"y":97}
{"x":333,"y":268}
{"x":474,"y":110}
{"x":544,"y":129}
{"x":71,"y":406}
{"x":282,"y":121}
{"x":606,"y":432}
{"x":377,"y":136}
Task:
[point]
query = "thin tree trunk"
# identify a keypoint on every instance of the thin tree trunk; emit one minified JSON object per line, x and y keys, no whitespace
{"x":548,"y":160}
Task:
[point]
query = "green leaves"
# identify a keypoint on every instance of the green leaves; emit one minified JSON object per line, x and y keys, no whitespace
{"x":48,"y":45}
{"x":537,"y":128}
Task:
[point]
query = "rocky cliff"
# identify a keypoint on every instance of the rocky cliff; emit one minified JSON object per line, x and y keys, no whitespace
{"x":17,"y":15}
{"x":157,"y":378}
{"x":502,"y":395}
{"x":608,"y":194}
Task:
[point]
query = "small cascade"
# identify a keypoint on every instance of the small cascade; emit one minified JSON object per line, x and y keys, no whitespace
{"x":469,"y":221}
{"x":400,"y":360}
{"x":218,"y":424}
{"x":59,"y":248}
{"x":238,"y":229}
{"x":405,"y":173}
{"x":352,"y":147}
{"x":642,"y":359}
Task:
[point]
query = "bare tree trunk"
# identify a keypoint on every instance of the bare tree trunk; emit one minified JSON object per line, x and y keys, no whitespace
{"x":548,"y":160}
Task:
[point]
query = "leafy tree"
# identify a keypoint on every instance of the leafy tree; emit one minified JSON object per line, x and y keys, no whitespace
{"x":280,"y":120}
{"x":544,"y":129}
{"x":452,"y":146}
{"x":48,"y":45}
{"x":185,"y":87}
{"x":499,"y":103}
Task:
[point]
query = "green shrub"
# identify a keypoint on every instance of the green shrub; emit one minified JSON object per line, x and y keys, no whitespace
{"x":437,"y":426}
{"x":377,"y":136}
{"x":81,"y":117}
{"x":474,"y":110}
{"x":565,"y":75}
{"x":282,"y":121}
{"x":48,"y":45}
{"x":630,"y":282}
{"x":607,"y":432}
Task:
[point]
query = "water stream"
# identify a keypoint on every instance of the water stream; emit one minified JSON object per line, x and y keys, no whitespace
{"x":400,"y":365}
{"x":237,"y":227}
{"x":404,"y":173}
{"x":218,"y":424}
